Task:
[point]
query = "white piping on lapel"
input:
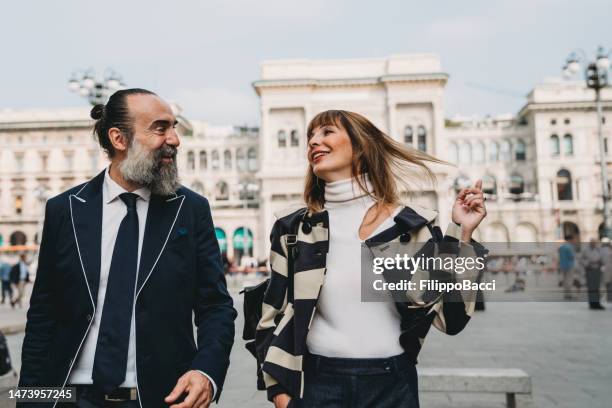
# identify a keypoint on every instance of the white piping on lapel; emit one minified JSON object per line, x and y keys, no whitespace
{"x":182,"y":197}
{"x":145,"y":282}
{"x":93,"y":304}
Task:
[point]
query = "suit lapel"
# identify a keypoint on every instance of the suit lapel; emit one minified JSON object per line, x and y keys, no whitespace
{"x":86,"y":215}
{"x":161,"y":217}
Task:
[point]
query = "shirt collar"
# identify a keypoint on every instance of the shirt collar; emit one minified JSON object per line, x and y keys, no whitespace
{"x":113,"y":190}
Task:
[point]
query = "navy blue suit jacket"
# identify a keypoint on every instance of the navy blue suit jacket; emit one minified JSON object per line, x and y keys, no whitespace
{"x":180,"y":272}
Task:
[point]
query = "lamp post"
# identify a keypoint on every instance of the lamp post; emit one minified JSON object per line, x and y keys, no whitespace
{"x":95,"y":89}
{"x":596,"y":76}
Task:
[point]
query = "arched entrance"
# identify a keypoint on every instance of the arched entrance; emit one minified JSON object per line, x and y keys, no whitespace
{"x":243,"y":243}
{"x":18,"y":238}
{"x":222,"y":239}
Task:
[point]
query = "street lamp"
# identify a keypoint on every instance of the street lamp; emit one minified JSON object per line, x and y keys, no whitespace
{"x":95,"y":89}
{"x":248,"y":190}
{"x":596,"y":76}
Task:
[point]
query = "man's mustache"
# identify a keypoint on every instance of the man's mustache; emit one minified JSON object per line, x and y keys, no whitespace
{"x":165,"y":151}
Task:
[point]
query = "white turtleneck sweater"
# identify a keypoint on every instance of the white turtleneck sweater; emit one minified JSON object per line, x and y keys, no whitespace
{"x":343,"y":325}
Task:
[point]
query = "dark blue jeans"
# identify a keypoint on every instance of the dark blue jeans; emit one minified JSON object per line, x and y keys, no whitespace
{"x":356,"y":382}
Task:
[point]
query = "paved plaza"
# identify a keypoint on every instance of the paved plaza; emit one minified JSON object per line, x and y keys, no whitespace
{"x":566,"y":348}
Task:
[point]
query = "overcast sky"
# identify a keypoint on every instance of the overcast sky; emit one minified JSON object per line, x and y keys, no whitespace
{"x":205,"y":54}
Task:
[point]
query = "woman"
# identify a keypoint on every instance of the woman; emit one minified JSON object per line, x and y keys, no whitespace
{"x":318,"y":344}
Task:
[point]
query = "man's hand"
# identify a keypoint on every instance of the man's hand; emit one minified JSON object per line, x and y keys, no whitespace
{"x":198,"y":389}
{"x":281,"y":400}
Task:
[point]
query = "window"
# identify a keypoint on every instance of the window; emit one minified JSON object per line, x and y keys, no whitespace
{"x":520,"y":151}
{"x":198,"y":187}
{"x":564,"y":185}
{"x":465,"y":153}
{"x":461,"y":182}
{"x":553,"y":121}
{"x":408,"y":135}
{"x":566,"y":121}
{"x":505,"y":150}
{"x":606,"y":145}
{"x":69,"y":158}
{"x":190,"y":161}
{"x":252,"y":159}
{"x":44,"y":161}
{"x":516,"y":184}
{"x":282,"y":138}
{"x":453,"y":153}
{"x":214,"y":159}
{"x":227,"y":160}
{"x":422,"y":138}
{"x":554,"y":145}
{"x":295,"y":138}
{"x":489,"y":185}
{"x":568,"y":145}
{"x":479,"y":153}
{"x":493,"y":152}
{"x":203,"y":160}
{"x":19,"y":162}
{"x":240,"y":159}
{"x":18,"y":204}
{"x":221,"y":191}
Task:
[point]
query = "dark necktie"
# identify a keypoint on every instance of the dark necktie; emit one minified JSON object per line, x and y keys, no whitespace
{"x":110,"y":361}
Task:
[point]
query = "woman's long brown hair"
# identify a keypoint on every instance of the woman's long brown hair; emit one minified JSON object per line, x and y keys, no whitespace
{"x":384,"y":160}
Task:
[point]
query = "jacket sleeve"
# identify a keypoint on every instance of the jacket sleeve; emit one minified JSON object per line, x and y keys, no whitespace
{"x":41,"y":323}
{"x":455,"y":308}
{"x":214,"y":313}
{"x":273,"y":306}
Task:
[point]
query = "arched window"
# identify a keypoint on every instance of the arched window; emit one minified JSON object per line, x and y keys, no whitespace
{"x":489,"y":185}
{"x":295,"y":138}
{"x":221,"y":239}
{"x":453,"y":153}
{"x":516,"y":184}
{"x":227,"y":160}
{"x":282,"y":138}
{"x":198,"y":187}
{"x":465,"y":153}
{"x":520,"y":150}
{"x":493,"y":152}
{"x":461,"y":182}
{"x":564,"y":185}
{"x":554,"y":145}
{"x":252,"y":155}
{"x":505,"y":151}
{"x":408,"y":136}
{"x":18,"y":238}
{"x":422,"y":138}
{"x":214,"y":159}
{"x":242,"y":242}
{"x":479,"y":152}
{"x":568,"y":145}
{"x":221,"y":191}
{"x":240,"y":159}
{"x":203,"y":160}
{"x":190,"y":161}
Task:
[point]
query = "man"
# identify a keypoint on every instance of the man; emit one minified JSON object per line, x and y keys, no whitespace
{"x":125,"y":260}
{"x":592,"y":259}
{"x":19,"y":277}
{"x":567,"y":263}
{"x":5,"y":276}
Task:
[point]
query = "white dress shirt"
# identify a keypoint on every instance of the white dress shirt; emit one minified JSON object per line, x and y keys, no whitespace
{"x":113,"y":212}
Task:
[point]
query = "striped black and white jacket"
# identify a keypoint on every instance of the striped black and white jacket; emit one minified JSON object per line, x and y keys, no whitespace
{"x":282,"y":330}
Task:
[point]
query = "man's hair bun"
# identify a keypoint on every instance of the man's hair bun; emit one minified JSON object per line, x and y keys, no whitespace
{"x":97,"y":111}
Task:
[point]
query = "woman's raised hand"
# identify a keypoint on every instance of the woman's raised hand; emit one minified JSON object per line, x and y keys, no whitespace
{"x":469,"y":209}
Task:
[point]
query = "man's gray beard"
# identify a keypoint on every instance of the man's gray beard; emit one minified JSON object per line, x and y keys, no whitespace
{"x":147,"y":170}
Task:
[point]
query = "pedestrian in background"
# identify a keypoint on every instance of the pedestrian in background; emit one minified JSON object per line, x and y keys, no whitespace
{"x":607,"y":268}
{"x":19,"y":277}
{"x":592,"y":260}
{"x":567,"y":264}
{"x":5,"y":276}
